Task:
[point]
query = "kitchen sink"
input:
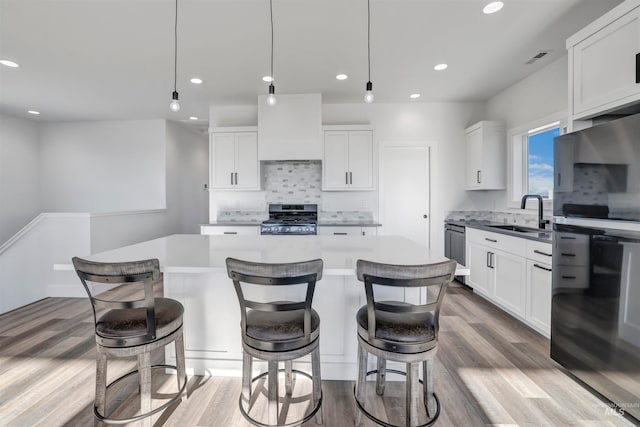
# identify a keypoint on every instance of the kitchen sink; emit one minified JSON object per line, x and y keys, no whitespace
{"x":515,"y":228}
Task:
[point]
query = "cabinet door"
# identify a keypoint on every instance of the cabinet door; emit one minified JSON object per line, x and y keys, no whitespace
{"x":335,"y":161}
{"x":474,"y":158}
{"x":604,"y":67}
{"x":246,"y":161}
{"x":339,"y":231}
{"x":360,"y":160}
{"x":480,"y":277}
{"x":510,"y":279}
{"x":222,"y":160}
{"x":538,"y":312}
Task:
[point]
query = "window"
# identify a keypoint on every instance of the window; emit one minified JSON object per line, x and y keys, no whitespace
{"x":531,"y":165}
{"x":539,"y":171}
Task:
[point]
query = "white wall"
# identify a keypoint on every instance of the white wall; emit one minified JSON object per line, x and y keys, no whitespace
{"x":535,"y":97}
{"x":187,"y":174}
{"x":102,"y":166}
{"x":18,"y":174}
{"x":437,"y":125}
{"x":536,"y":100}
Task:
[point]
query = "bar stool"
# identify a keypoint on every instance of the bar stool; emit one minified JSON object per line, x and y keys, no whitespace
{"x":401,"y":332}
{"x":278,"y":331}
{"x":131,"y":328}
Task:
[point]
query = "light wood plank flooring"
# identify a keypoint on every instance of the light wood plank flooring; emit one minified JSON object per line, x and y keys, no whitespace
{"x":490,"y":370}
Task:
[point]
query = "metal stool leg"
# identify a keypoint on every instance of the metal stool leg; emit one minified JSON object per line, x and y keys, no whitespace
{"x":144,"y":370}
{"x":381,"y":376}
{"x":429,"y":399}
{"x":247,"y":368}
{"x":412,"y":393}
{"x":180,"y":366}
{"x":361,"y":381}
{"x":288,"y":377}
{"x":317,"y":382}
{"x":272,"y":392}
{"x":101,"y":383}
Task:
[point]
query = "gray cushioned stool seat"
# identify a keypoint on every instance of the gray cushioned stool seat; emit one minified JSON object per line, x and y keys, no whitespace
{"x":400,"y":327}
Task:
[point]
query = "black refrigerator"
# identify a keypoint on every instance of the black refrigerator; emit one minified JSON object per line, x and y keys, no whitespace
{"x":595,"y":306}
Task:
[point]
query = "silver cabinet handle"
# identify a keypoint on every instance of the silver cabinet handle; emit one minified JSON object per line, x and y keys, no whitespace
{"x":236,"y":175}
{"x":541,"y":253}
{"x":346,"y":178}
{"x":569,"y":255}
{"x":492,"y":265}
{"x":231,"y":178}
{"x":350,"y":177}
{"x":478,"y":177}
{"x":488,"y":259}
{"x":230,"y":232}
{"x":559,"y":178}
{"x":339,"y":234}
{"x":638,"y":68}
{"x":490,"y":240}
{"x":541,"y":267}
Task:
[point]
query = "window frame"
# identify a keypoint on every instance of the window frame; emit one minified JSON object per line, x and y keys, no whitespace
{"x":517,"y":152}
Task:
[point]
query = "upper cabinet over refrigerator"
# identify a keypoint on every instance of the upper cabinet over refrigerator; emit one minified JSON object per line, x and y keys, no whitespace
{"x":604,"y":62}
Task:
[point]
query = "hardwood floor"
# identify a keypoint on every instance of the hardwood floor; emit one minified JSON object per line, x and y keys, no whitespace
{"x":490,"y":370}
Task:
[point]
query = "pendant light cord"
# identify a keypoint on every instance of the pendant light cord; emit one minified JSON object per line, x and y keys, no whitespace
{"x":368,"y":37}
{"x":175,"y":51}
{"x":271,"y":13}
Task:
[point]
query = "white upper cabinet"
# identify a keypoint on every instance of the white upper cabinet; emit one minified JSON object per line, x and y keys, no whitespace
{"x":291,"y":129}
{"x":485,"y":149}
{"x":234,"y":159}
{"x":347,"y":159}
{"x":604,"y":62}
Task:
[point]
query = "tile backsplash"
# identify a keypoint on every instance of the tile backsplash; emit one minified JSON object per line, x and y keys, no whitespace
{"x":526,"y":219}
{"x":294,"y":182}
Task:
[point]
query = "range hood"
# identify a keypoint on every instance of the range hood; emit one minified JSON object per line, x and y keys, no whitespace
{"x":291,"y":129}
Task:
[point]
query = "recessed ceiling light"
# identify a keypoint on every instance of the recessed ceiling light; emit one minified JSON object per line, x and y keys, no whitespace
{"x":492,"y":7}
{"x":196,"y":81}
{"x":440,"y":67}
{"x":267,"y":79}
{"x":193,"y":118}
{"x":34,"y":112}
{"x":342,"y":77}
{"x":9,"y":63}
{"x":414,"y":96}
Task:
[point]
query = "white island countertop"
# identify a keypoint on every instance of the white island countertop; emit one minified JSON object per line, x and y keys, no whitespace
{"x":195,"y":253}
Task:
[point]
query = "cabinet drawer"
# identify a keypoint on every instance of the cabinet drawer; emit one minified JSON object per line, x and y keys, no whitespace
{"x":510,"y":244}
{"x":570,"y":277}
{"x":539,"y":251}
{"x":571,"y":249}
{"x":250,"y":230}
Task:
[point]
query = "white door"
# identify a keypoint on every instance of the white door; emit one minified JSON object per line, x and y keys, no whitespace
{"x":404,"y":192}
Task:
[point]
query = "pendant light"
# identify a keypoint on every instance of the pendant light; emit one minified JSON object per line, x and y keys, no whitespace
{"x":368,"y":95}
{"x":271,"y":98}
{"x":175,"y":104}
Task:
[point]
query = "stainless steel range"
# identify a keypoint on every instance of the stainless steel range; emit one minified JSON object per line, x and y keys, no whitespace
{"x":291,"y":219}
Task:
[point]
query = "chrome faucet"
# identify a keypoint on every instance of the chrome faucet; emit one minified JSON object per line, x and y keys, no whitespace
{"x":523,"y":205}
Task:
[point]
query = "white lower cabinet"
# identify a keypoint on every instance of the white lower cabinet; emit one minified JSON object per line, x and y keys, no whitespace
{"x":348,"y":230}
{"x":219,"y":230}
{"x":510,"y":281}
{"x":538,"y":313}
{"x":513,"y":273}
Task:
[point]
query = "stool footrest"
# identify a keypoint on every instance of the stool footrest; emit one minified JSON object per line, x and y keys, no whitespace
{"x":299,"y":422}
{"x":107,"y":420}
{"x":384,"y":423}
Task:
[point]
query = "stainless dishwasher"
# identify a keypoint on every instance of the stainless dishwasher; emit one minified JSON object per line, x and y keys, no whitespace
{"x":454,"y":244}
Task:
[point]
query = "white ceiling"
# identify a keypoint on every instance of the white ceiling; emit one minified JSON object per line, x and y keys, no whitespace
{"x":113,"y":59}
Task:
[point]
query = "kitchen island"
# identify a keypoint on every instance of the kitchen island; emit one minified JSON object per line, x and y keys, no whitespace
{"x":195,"y":274}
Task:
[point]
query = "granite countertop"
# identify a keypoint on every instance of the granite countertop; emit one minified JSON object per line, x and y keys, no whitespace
{"x":534,"y":234}
{"x":348,"y":223}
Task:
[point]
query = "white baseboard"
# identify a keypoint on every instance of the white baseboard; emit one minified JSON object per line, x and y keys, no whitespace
{"x":67,"y":291}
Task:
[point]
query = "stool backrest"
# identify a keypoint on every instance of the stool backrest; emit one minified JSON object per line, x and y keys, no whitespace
{"x":282,"y":274}
{"x":429,"y":276}
{"x":144,"y":272}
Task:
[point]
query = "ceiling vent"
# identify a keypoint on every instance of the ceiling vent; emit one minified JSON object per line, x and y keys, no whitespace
{"x":540,"y":54}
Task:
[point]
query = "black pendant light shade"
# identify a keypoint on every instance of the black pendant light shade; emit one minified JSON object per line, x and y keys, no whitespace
{"x":175,"y":104}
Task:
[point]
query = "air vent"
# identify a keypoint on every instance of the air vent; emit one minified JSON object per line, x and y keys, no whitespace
{"x":537,"y":56}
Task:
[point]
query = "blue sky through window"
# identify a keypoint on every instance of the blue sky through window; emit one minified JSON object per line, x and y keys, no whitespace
{"x":540,"y":162}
